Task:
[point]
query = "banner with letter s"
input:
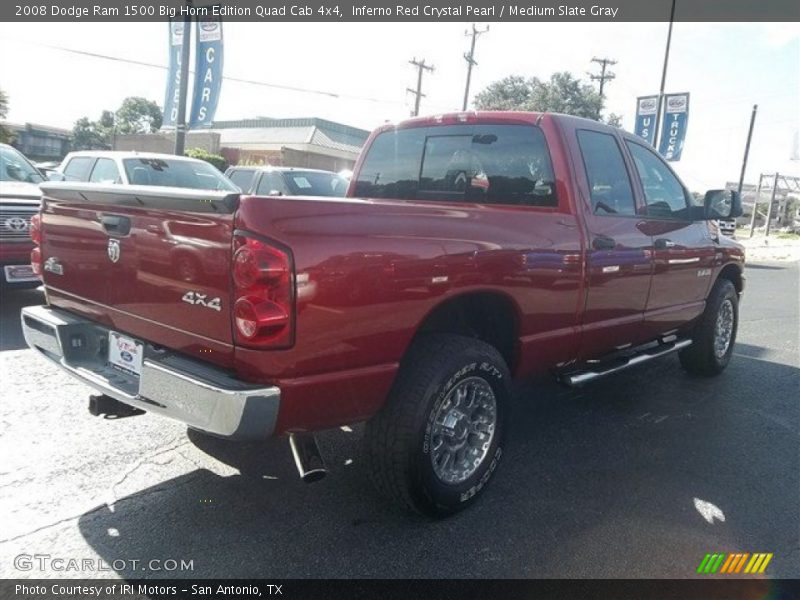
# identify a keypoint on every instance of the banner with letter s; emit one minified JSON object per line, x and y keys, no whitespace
{"x":646,"y":118}
{"x":173,"y":75}
{"x":208,"y":73}
{"x":673,"y":128}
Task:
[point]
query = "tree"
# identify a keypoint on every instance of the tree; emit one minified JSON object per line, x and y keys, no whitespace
{"x":214,"y":159}
{"x":5,"y":135}
{"x":90,"y":135}
{"x":138,"y":115}
{"x":563,"y":93}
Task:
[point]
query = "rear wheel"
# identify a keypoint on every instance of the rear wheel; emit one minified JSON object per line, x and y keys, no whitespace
{"x":438,"y":440}
{"x":715,"y":333}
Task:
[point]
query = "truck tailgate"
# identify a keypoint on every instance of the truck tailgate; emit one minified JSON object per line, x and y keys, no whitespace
{"x":155,"y":260}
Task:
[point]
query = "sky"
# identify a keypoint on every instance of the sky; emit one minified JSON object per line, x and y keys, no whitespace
{"x":726,"y":67}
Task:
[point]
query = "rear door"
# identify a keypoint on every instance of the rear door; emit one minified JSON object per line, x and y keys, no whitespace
{"x":683,"y":249}
{"x":619,"y":252}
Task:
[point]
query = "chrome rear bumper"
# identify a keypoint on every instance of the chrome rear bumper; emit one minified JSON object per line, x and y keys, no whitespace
{"x":196,"y":393}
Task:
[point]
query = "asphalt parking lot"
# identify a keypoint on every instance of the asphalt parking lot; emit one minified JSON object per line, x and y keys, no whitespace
{"x":638,"y":475}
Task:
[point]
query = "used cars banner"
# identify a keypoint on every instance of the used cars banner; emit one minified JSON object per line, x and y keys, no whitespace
{"x":173,"y":74}
{"x":208,"y":72}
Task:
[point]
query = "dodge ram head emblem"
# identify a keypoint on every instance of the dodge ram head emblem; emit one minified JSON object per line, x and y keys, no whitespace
{"x":16,"y":224}
{"x":113,"y":250}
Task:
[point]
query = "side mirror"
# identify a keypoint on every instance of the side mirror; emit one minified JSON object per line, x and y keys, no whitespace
{"x":722,"y":204}
{"x":55,"y":176}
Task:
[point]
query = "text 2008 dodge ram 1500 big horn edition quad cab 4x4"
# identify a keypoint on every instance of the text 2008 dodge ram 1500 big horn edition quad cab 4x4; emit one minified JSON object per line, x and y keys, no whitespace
{"x":472,"y":248}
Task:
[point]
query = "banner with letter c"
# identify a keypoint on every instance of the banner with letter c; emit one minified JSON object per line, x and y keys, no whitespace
{"x":646,"y":118}
{"x":673,"y":127}
{"x":208,"y":73}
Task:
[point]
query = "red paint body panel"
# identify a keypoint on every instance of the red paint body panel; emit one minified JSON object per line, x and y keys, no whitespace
{"x":368,"y":272}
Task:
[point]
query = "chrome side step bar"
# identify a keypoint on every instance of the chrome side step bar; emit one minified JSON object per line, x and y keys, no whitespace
{"x":597,"y":370}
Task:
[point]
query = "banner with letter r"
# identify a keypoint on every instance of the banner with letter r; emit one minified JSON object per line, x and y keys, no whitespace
{"x":208,"y":72}
{"x":673,"y":127}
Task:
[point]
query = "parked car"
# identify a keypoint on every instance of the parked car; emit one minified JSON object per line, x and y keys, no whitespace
{"x":19,"y":201}
{"x":727,"y":227}
{"x":140,"y":168}
{"x":287,"y":181}
{"x":482,"y":247}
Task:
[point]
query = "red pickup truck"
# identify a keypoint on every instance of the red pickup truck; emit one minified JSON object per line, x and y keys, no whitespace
{"x":471,"y":249}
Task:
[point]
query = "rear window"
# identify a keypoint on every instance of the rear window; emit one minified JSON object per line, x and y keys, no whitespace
{"x":315,"y":183}
{"x":486,"y":164}
{"x":176,"y":173}
{"x":78,"y":168}
{"x":242,"y":178}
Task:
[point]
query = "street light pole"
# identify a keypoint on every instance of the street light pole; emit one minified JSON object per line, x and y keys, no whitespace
{"x":747,"y":147}
{"x":664,"y":76}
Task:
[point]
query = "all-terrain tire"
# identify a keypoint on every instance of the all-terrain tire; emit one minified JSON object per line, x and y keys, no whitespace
{"x":705,"y":356}
{"x":400,"y":440}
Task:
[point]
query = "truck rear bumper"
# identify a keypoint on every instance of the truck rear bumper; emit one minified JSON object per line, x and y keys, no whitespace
{"x":198,"y":394}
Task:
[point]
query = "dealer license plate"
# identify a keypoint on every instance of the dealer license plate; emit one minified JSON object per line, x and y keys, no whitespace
{"x":125,"y":353}
{"x":19,"y":273}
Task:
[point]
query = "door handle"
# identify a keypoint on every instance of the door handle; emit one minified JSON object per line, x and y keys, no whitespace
{"x":603,"y":242}
{"x":663,"y":244}
{"x":116,"y":224}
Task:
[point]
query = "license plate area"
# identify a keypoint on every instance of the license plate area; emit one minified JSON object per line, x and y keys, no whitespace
{"x":19,"y":273}
{"x":125,"y":353}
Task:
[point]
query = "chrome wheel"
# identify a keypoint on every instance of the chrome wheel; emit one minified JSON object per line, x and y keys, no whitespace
{"x":723,"y":330}
{"x":463,"y":429}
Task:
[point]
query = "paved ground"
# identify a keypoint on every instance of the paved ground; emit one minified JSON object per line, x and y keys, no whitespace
{"x":602,"y":482}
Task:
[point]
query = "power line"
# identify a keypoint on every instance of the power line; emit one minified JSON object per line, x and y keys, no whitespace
{"x":470,"y":58}
{"x":418,"y":95}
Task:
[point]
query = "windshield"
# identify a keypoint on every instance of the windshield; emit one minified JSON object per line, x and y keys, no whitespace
{"x":15,"y":167}
{"x":313,"y":183}
{"x":196,"y":175}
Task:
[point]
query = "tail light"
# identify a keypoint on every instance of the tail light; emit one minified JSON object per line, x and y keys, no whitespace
{"x":263,"y":309}
{"x":35,"y":231}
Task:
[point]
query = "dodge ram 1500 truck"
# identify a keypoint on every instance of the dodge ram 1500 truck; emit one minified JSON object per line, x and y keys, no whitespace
{"x":471,"y":249}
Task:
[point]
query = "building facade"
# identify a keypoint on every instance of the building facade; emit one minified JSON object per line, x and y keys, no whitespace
{"x":40,"y":143}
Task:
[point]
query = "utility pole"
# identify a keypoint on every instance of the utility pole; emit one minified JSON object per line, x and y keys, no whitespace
{"x":604,"y":63}
{"x":664,"y":76}
{"x":421,"y":67}
{"x":180,"y":121}
{"x":771,"y":202}
{"x":470,"y":58}
{"x":747,"y":147}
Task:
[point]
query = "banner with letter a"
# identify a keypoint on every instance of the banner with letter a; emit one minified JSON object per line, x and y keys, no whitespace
{"x":208,"y":73}
{"x":673,"y":127}
{"x":173,"y":74}
{"x":646,"y":118}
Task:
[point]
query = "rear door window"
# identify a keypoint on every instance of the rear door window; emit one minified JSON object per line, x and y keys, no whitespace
{"x":271,"y":184}
{"x":609,"y":184}
{"x":243,"y":178}
{"x":78,"y":168}
{"x":485,"y":164}
{"x":105,"y":171}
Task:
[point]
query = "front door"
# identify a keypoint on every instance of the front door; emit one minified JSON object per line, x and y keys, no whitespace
{"x":683,"y":249}
{"x":619,"y":252}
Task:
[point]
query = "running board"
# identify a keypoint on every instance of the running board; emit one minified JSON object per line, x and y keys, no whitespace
{"x":578,"y":378}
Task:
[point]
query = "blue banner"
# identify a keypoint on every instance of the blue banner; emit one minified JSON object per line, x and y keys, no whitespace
{"x":208,"y":73}
{"x":646,"y":118}
{"x":673,"y":127}
{"x":173,"y":75}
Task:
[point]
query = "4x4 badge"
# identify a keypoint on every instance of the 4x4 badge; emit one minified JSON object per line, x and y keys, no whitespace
{"x":113,"y":250}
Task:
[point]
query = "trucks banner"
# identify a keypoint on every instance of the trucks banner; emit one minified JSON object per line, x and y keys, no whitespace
{"x":646,"y":118}
{"x":208,"y":73}
{"x":673,"y":126}
{"x":173,"y":75}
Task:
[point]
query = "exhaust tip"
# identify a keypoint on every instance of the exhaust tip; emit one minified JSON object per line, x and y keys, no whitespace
{"x":307,"y":457}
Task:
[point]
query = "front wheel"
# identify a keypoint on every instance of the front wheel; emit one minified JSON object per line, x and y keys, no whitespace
{"x":438,"y":440}
{"x":715,"y":333}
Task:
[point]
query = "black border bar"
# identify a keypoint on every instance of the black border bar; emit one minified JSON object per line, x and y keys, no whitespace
{"x":411,"y":11}
{"x":398,"y":589}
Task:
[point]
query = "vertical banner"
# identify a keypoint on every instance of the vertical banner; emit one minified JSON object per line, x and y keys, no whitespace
{"x":173,"y":75}
{"x":646,"y":118}
{"x":208,"y":73}
{"x":673,"y":128}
